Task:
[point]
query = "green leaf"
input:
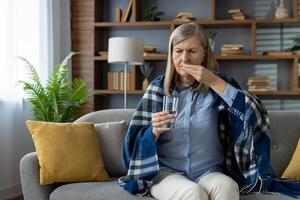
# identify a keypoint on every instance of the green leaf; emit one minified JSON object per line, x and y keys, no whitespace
{"x":61,"y":99}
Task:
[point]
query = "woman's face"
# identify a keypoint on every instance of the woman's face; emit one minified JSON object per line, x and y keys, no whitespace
{"x":188,"y":51}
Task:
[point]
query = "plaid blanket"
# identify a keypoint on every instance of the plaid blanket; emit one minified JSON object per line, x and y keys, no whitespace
{"x":244,"y":134}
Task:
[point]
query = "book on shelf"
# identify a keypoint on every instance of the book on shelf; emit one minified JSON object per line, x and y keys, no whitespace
{"x":256,"y":78}
{"x":231,"y":54}
{"x":151,"y":48}
{"x":232,"y":51}
{"x":264,"y":88}
{"x":259,"y":90}
{"x":184,"y":17}
{"x":237,"y":14}
{"x":277,"y":53}
{"x":103,"y":53}
{"x":115,"y":81}
{"x":234,"y":10}
{"x":233,"y":46}
{"x":258,"y":82}
{"x":184,"y":14}
{"x":155,"y":54}
{"x":239,"y":17}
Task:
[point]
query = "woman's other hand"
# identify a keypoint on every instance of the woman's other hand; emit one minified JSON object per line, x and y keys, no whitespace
{"x":203,"y":75}
{"x":160,"y":119}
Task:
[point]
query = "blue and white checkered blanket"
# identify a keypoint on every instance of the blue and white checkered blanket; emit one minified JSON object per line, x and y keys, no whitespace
{"x":244,"y":133}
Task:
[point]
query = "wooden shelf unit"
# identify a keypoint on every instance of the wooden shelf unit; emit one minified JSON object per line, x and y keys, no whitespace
{"x":119,"y":91}
{"x":87,"y":23}
{"x":159,"y":24}
{"x":163,"y":57}
{"x":277,"y":93}
{"x":218,"y":57}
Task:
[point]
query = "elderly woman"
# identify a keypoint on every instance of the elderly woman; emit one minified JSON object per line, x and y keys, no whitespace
{"x":220,"y":145}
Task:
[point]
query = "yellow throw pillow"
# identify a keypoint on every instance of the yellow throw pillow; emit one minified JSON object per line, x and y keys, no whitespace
{"x":67,"y":152}
{"x":293,"y":169}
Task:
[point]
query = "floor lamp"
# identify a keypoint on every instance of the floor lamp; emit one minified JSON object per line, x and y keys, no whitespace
{"x":127,"y":51}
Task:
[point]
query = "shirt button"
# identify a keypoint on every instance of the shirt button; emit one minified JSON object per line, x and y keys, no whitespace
{"x":275,"y":147}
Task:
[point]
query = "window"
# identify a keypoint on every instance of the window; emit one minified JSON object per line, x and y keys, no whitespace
{"x":23,"y":32}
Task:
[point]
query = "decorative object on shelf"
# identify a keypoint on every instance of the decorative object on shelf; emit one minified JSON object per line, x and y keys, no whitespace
{"x":237,"y":14}
{"x":281,"y":11}
{"x":118,"y":15}
{"x":127,"y":51}
{"x":153,"y":14}
{"x":146,"y":70}
{"x":184,"y":17}
{"x":211,"y":39}
{"x":127,"y":12}
{"x":296,"y":47}
{"x":232,"y":49}
{"x":61,"y":99}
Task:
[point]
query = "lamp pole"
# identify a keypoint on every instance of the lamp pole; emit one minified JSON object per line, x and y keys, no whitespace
{"x":125,"y":85}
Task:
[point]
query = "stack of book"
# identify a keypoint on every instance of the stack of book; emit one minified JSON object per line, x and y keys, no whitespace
{"x":152,"y":50}
{"x":258,"y":83}
{"x":232,"y":49}
{"x":184,"y":17}
{"x":237,"y":14}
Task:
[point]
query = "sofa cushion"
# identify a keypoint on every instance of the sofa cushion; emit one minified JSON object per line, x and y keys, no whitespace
{"x":293,"y":169}
{"x":284,"y":137}
{"x":111,"y":136}
{"x":67,"y":152}
{"x":266,"y":197}
{"x":111,"y":191}
{"x":93,"y":191}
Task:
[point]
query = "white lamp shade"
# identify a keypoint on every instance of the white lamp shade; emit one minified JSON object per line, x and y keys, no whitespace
{"x":125,"y":50}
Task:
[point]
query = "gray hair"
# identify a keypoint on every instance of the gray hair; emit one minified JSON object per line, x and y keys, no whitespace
{"x":180,"y":34}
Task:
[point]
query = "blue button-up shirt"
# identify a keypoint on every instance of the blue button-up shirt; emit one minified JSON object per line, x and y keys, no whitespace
{"x":193,"y":148}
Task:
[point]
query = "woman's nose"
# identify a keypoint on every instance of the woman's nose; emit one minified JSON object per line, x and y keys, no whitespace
{"x":185,"y":56}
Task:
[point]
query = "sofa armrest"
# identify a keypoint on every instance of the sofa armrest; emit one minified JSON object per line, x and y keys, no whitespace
{"x":30,"y":179}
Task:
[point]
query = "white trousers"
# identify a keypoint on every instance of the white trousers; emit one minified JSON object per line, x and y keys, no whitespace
{"x":213,"y":186}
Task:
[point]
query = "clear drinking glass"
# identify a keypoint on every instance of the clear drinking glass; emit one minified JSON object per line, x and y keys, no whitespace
{"x":170,"y":104}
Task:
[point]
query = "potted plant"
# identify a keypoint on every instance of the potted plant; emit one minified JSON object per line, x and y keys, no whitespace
{"x":211,"y":38}
{"x":296,"y":46}
{"x":152,"y":14}
{"x":146,"y":70}
{"x":60,"y":99}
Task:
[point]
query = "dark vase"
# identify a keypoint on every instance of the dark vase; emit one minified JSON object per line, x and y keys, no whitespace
{"x":154,"y":19}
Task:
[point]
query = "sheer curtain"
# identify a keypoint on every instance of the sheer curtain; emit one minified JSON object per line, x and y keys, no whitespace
{"x":26,"y":29}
